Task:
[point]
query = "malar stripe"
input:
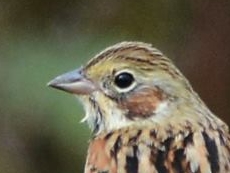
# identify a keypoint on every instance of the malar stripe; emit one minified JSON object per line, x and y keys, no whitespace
{"x":213,"y":156}
{"x":132,"y":162}
{"x":98,"y":118}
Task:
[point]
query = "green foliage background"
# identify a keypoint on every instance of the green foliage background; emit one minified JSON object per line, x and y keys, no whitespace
{"x":39,"y":127}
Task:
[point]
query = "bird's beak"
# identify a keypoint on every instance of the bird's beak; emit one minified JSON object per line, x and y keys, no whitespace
{"x":73,"y":82}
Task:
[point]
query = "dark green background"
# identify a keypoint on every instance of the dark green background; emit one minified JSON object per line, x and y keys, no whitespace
{"x":39,"y":39}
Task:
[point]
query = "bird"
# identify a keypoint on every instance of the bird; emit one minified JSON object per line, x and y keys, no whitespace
{"x":144,"y":115}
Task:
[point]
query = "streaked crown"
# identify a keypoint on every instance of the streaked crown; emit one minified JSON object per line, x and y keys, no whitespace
{"x":132,"y":83}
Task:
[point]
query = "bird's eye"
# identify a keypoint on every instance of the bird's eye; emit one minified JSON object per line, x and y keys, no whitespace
{"x":124,"y":80}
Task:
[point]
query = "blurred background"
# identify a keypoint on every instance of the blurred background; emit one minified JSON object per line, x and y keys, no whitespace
{"x":39,"y":39}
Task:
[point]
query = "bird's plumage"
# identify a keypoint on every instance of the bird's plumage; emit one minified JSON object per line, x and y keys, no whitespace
{"x":180,"y":149}
{"x":145,"y":116}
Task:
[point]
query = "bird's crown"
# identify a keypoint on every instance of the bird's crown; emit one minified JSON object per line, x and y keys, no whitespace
{"x":132,"y":83}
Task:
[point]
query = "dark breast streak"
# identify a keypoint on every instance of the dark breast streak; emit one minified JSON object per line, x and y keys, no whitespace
{"x":146,"y":151}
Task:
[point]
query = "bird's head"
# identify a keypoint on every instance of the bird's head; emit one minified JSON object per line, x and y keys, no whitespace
{"x":128,"y":83}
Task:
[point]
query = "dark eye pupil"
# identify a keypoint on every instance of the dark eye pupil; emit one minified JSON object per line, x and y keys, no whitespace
{"x":124,"y":80}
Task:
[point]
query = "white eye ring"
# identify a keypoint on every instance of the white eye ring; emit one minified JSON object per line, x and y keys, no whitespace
{"x":124,"y":81}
